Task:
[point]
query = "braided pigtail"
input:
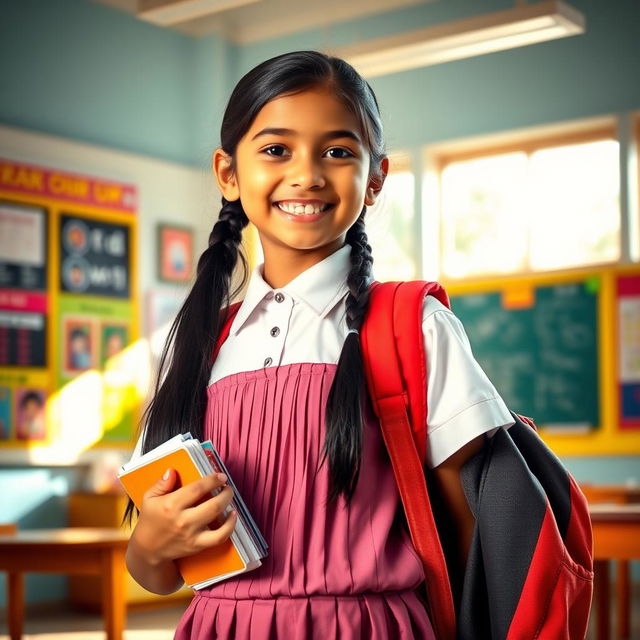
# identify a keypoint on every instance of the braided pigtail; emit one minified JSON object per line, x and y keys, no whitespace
{"x":345,"y":403}
{"x":186,"y":357}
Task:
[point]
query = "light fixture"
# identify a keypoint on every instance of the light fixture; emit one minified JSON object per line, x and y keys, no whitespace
{"x":524,"y":24}
{"x":169,"y":12}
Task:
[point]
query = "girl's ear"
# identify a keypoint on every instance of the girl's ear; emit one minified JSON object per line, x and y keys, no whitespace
{"x":376,"y":182}
{"x":225,"y":175}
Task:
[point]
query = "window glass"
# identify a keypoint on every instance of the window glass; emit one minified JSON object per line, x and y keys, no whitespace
{"x":554,"y":208}
{"x":575,"y":205}
{"x":390,"y":225}
{"x":484,"y":217}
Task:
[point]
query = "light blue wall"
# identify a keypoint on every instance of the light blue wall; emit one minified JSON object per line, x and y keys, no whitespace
{"x":81,"y":70}
{"x":84,"y":71}
{"x":579,"y":76}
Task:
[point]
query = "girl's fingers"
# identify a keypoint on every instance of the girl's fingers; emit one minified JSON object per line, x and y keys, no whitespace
{"x":186,"y":496}
{"x":212,"y":537}
{"x":209,"y":510}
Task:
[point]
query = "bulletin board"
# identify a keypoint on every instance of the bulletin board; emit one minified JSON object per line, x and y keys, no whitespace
{"x":564,"y":349}
{"x":71,"y":376}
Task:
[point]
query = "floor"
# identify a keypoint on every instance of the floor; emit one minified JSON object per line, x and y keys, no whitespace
{"x":156,"y":624}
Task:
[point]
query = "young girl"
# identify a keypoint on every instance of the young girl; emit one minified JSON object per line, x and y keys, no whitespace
{"x":302,"y":156}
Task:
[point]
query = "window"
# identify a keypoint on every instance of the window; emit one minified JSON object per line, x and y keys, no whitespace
{"x":530,"y":208}
{"x":390,"y":225}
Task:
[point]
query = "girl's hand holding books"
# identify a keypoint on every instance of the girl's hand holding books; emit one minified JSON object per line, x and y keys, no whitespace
{"x":174,"y":523}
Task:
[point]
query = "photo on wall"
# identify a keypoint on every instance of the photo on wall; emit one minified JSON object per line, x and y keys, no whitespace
{"x":79,"y":344}
{"x":114,"y":337}
{"x":30,"y":414}
{"x":175,"y":253}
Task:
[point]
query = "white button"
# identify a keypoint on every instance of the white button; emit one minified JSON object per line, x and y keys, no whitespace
{"x":267,"y":361}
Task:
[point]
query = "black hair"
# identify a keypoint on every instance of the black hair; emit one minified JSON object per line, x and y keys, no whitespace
{"x":78,"y":332}
{"x":31,"y":396}
{"x":194,"y":333}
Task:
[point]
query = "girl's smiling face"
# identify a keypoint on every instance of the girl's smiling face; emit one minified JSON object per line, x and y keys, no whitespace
{"x":304,"y":149}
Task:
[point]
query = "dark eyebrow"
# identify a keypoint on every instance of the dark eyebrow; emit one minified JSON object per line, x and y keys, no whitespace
{"x":329,"y":135}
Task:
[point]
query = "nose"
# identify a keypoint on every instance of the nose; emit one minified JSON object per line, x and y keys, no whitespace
{"x":305,"y":172}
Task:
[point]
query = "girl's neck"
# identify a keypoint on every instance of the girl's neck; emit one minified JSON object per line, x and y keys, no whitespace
{"x":283,"y":264}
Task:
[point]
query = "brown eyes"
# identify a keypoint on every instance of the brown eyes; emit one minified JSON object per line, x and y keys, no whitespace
{"x":342,"y":152}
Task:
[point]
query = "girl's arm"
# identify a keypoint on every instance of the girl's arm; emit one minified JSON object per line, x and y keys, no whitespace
{"x":447,"y":476}
{"x":161,"y":577}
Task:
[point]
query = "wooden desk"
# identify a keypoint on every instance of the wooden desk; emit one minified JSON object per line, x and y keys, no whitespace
{"x":68,"y":551}
{"x":616,"y":536}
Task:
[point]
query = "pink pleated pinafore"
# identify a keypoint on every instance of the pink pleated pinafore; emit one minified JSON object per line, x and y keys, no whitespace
{"x":333,"y":572}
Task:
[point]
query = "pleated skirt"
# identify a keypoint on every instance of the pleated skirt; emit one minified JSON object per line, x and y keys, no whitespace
{"x":341,"y":570}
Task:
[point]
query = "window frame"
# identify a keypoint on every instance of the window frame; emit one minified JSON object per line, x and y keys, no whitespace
{"x":437,"y":157}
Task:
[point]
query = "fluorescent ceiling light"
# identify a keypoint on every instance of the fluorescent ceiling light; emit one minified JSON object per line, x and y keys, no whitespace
{"x":168,"y":12}
{"x":517,"y":27}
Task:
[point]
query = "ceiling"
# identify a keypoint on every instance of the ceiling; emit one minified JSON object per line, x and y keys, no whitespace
{"x":265,"y":19}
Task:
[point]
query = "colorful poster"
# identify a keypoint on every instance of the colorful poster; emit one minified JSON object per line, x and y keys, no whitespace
{"x":629,"y":351}
{"x":94,"y":257}
{"x":23,"y":247}
{"x":70,"y":364}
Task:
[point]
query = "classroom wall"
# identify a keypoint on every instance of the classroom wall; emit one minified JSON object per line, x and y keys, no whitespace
{"x":92,"y":89}
{"x":35,"y":497}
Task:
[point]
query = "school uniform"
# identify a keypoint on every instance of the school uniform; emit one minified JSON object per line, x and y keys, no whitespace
{"x":333,"y":571}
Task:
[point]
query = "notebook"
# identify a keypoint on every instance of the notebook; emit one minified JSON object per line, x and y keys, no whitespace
{"x":192,"y":459}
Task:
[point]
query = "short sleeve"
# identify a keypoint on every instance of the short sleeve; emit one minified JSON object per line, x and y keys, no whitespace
{"x":462,"y":401}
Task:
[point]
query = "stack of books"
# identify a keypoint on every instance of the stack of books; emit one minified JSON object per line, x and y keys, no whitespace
{"x":192,"y":459}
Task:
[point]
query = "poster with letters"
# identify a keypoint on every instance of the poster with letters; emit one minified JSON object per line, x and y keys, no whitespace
{"x":94,"y":257}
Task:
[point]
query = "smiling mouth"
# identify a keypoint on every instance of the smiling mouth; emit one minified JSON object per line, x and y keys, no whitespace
{"x":300,"y":210}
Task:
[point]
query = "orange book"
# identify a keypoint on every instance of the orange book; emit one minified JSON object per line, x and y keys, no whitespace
{"x":236,"y":555}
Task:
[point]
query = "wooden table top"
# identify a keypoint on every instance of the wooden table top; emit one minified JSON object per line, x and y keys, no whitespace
{"x":603,"y":511}
{"x":78,"y":536}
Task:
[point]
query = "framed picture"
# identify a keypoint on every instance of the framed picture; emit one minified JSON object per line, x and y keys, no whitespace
{"x":114,"y":337}
{"x":175,"y":253}
{"x":30,"y":413}
{"x":79,"y":344}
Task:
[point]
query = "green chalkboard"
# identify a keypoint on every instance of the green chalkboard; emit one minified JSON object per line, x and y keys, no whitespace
{"x":543,"y":360}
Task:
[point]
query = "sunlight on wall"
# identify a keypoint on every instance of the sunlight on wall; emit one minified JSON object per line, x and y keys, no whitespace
{"x":27,"y":490}
{"x":94,"y":403}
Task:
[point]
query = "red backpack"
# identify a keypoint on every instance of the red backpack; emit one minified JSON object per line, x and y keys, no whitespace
{"x":529,"y":573}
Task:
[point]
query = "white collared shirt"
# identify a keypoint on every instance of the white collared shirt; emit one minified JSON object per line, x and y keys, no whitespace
{"x":305,"y":321}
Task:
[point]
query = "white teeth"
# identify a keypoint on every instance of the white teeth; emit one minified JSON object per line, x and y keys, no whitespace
{"x":299,"y":208}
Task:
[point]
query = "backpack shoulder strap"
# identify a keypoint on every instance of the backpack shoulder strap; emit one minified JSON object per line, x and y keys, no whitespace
{"x":395,"y":368}
{"x":227,"y":315}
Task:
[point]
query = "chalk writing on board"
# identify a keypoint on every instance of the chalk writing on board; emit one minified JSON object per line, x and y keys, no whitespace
{"x":541,"y":359}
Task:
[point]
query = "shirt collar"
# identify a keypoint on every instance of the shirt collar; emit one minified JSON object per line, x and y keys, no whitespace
{"x":320,"y":286}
